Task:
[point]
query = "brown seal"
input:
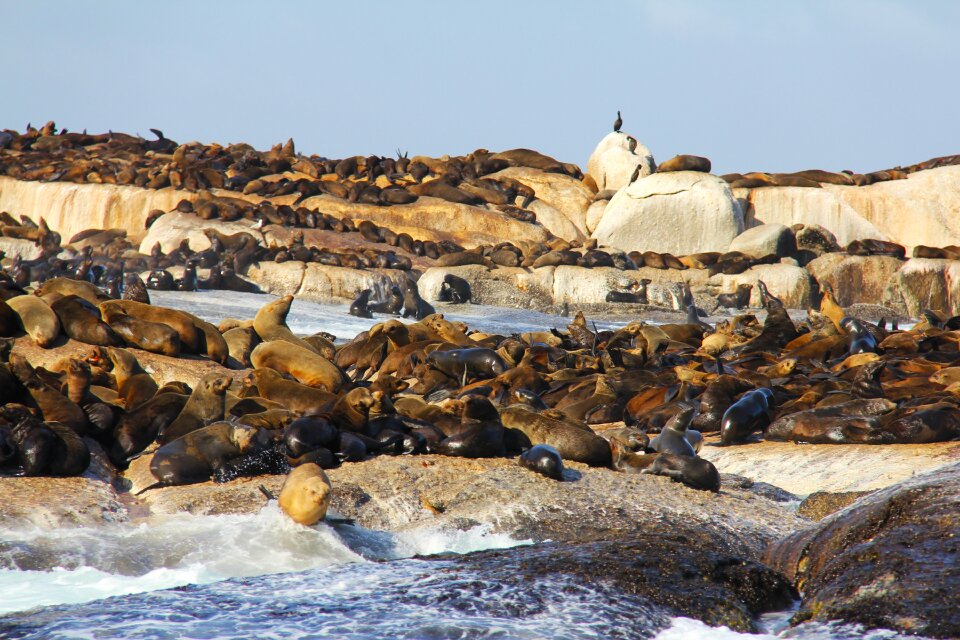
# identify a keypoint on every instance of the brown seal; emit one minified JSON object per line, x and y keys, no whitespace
{"x":143,"y":334}
{"x":305,"y":494}
{"x":572,"y":441}
{"x":196,"y":455}
{"x":206,"y":405}
{"x":305,"y":365}
{"x":180,"y":321}
{"x":81,"y":321}
{"x":292,"y":395}
{"x":38,"y":319}
{"x":685,"y":163}
{"x":270,"y":323}
{"x":134,"y":385}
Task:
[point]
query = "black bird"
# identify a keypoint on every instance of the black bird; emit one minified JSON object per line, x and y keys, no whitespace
{"x":617,"y":123}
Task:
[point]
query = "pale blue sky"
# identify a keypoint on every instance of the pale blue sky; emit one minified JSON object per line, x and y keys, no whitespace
{"x":764,"y":85}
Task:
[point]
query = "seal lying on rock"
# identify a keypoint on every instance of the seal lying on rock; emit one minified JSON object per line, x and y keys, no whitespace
{"x":543,"y":459}
{"x":694,"y":472}
{"x":197,"y":455}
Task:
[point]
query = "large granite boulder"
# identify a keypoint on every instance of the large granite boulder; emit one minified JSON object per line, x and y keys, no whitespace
{"x":434,"y":219}
{"x":595,"y":213}
{"x":171,"y":228}
{"x":323,"y":283}
{"x":923,"y":209}
{"x":578,"y":285}
{"x":888,"y":561}
{"x":765,"y":239}
{"x":788,"y":282}
{"x":679,"y":212}
{"x":70,"y":208}
{"x":855,"y":279}
{"x":925,"y":283}
{"x":612,"y":163}
{"x":566,"y":194}
{"x":504,"y":286}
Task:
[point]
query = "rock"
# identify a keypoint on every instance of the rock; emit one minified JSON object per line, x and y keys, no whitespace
{"x":238,"y":496}
{"x":923,"y":209}
{"x":766,"y":239}
{"x":925,"y":283}
{"x":889,"y":561}
{"x":595,"y":213}
{"x":855,"y":279}
{"x":323,"y":283}
{"x":26,"y":249}
{"x":814,"y":238}
{"x":70,"y":208}
{"x":504,"y":286}
{"x":434,"y":219}
{"x":569,"y":196}
{"x":612,"y":163}
{"x":278,"y":278}
{"x":680,"y":213}
{"x":580,"y":285}
{"x":171,"y":228}
{"x":58,"y":502}
{"x":683,"y":573}
{"x":820,"y":504}
{"x":804,"y":469}
{"x":788,"y":282}
{"x":555,"y":221}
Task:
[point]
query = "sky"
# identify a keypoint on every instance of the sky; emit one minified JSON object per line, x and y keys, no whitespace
{"x":765,"y":85}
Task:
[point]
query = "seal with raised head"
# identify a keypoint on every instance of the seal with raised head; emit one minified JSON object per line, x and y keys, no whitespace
{"x":414,"y":305}
{"x":359,"y":307}
{"x":752,"y":412}
{"x":675,"y":438}
{"x":195,"y":456}
{"x":206,"y":405}
{"x":270,"y":323}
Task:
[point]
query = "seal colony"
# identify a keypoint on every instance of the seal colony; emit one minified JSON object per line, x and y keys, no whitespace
{"x":636,"y":399}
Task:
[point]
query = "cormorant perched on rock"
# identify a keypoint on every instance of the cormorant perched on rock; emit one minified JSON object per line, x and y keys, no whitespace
{"x":635,"y":174}
{"x":617,"y":123}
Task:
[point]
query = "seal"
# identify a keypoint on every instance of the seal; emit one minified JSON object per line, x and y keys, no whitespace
{"x":685,"y":163}
{"x":137,"y":428}
{"x":195,"y":456}
{"x":573,"y":440}
{"x":351,"y":412}
{"x":309,"y":433}
{"x":462,"y":363}
{"x":674,"y":438}
{"x":143,"y":334}
{"x":305,"y":365}
{"x":358,"y":307}
{"x":206,"y":405}
{"x":391,"y":303}
{"x":751,"y":412}
{"x":694,"y":472}
{"x":454,"y":289}
{"x":543,"y":459}
{"x":414,"y":305}
{"x":240,"y":344}
{"x":305,"y":494}
{"x":294,"y":396}
{"x":183,"y":323}
{"x":861,"y":340}
{"x":270,"y":323}
{"x":38,"y":319}
{"x":481,"y":433}
{"x":81,"y":321}
{"x":736,"y":300}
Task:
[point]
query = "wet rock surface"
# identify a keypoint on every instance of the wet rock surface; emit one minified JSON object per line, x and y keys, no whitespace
{"x":58,"y":502}
{"x":889,"y":561}
{"x":821,"y":504}
{"x":405,"y":493}
{"x":689,"y":575}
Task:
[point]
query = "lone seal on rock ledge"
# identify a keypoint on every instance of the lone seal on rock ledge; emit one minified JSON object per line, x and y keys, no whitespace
{"x":305,"y":494}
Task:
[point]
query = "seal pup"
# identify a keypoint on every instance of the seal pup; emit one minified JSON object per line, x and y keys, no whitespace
{"x":414,"y":305}
{"x":543,"y":459}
